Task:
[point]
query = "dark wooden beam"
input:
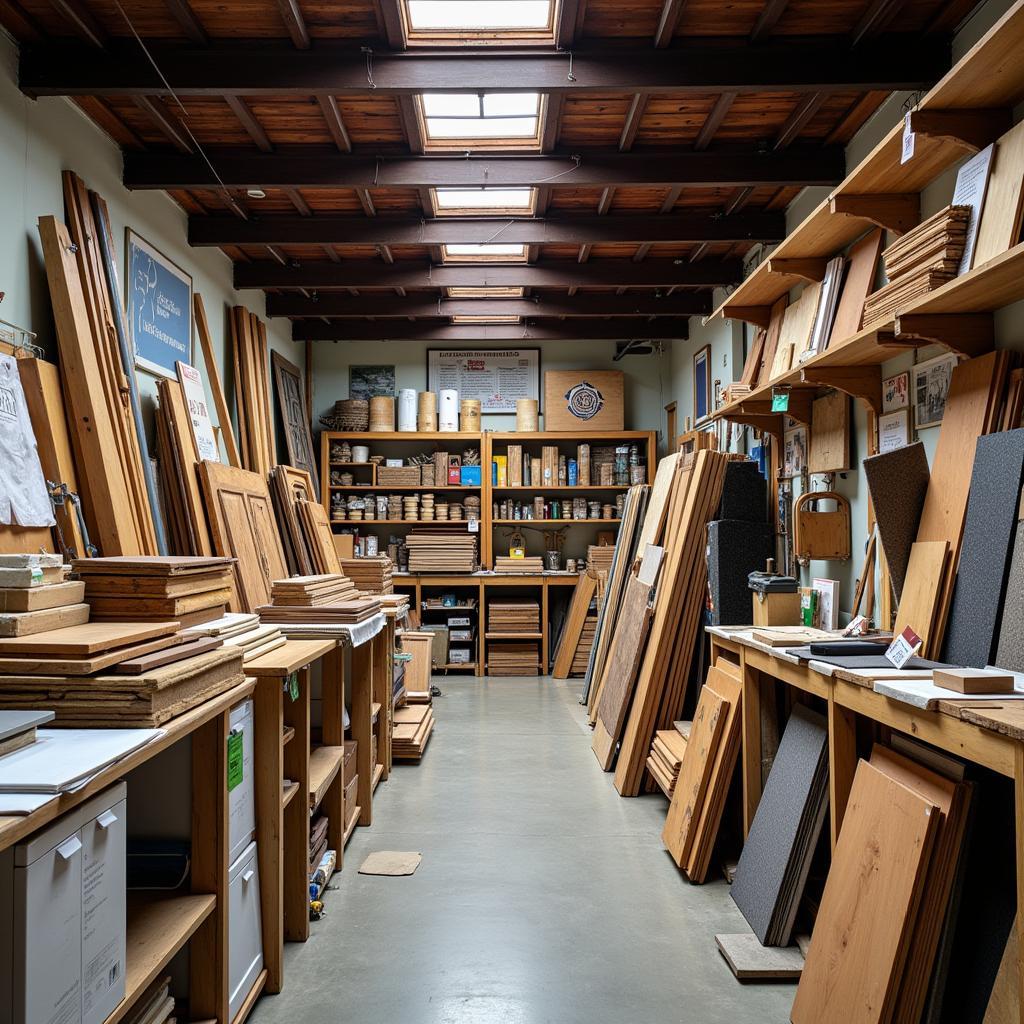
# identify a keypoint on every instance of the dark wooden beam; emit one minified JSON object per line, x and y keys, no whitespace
{"x":165,"y":121}
{"x":805,"y":109}
{"x":666,"y":30}
{"x":767,"y":19}
{"x":315,"y":169}
{"x":294,"y":22}
{"x":337,"y":304}
{"x":391,"y":16}
{"x":19,"y":22}
{"x":714,"y":120}
{"x":83,"y":21}
{"x":419,"y":274}
{"x":300,"y":204}
{"x":822,"y":66}
{"x":566,"y":14}
{"x":552,"y":122}
{"x":623,"y":329}
{"x":335,"y":125}
{"x":874,"y":20}
{"x":366,"y":202}
{"x":632,"y":123}
{"x":248,"y":121}
{"x":190,"y":24}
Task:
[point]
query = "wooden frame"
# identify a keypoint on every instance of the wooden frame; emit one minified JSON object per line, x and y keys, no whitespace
{"x":295,"y":419}
{"x":701,"y":383}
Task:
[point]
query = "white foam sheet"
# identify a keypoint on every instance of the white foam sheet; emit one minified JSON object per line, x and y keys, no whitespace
{"x":355,"y":634}
{"x":923,"y":693}
{"x":16,"y":805}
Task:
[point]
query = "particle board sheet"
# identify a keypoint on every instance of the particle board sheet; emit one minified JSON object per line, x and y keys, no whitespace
{"x":14,"y":624}
{"x":749,"y":960}
{"x":922,"y":592}
{"x":972,"y":409}
{"x":861,"y":268}
{"x":1010,"y":651}
{"x":316,"y":529}
{"x":1000,"y":224}
{"x":576,"y":618}
{"x":627,"y":648}
{"x":866,"y":918}
{"x":242,"y":526}
{"x":898,"y":483}
{"x":34,"y":599}
{"x":86,"y":639}
{"x":993,"y":511}
{"x":773,"y":866}
{"x":771,"y":340}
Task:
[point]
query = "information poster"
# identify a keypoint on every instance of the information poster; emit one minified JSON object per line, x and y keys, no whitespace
{"x":198,"y":412}
{"x":159,"y":308}
{"x":497,"y":377}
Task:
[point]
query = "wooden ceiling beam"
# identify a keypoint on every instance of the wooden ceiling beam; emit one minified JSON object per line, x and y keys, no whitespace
{"x":59,"y":69}
{"x":768,"y":19}
{"x":413,"y":274}
{"x":314,"y":169}
{"x":391,"y":16}
{"x":332,"y":116}
{"x":188,"y":20}
{"x":85,"y":24}
{"x":805,"y":109}
{"x":295,"y":23}
{"x":168,"y":124}
{"x":876,"y":17}
{"x":632,"y":123}
{"x":19,"y":22}
{"x":620,"y":329}
{"x":667,"y":22}
{"x":714,"y":120}
{"x":752,"y":226}
{"x":248,"y":121}
{"x":566,"y":17}
{"x":300,"y":204}
{"x":338,"y":304}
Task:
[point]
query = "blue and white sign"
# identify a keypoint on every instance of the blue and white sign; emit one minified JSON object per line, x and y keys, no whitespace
{"x":159,"y":309}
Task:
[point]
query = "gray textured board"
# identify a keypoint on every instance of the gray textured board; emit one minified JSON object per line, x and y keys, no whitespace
{"x":864,"y":660}
{"x":735,"y":549}
{"x":992,"y":510}
{"x":744,"y":494}
{"x":12,"y":723}
{"x":898,"y":482}
{"x":773,"y":865}
{"x":750,"y":961}
{"x":1010,"y":654}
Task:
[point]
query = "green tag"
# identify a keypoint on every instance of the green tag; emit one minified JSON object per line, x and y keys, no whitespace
{"x":780,"y":401}
{"x":234,"y":760}
{"x":293,"y":686}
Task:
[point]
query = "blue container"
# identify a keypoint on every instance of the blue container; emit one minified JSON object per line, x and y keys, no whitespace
{"x":470,"y":476}
{"x":573,"y":473}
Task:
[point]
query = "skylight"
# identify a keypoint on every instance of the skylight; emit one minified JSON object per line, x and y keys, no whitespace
{"x":471,"y":202}
{"x":484,"y":252}
{"x":465,"y":318}
{"x":466,"y":21}
{"x":481,"y":120}
{"x":485,"y":292}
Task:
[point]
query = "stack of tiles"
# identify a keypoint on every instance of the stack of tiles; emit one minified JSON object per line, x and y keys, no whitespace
{"x":152,"y":588}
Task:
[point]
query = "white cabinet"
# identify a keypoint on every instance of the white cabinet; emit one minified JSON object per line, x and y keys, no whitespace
{"x":245,"y":936}
{"x":241,"y":799}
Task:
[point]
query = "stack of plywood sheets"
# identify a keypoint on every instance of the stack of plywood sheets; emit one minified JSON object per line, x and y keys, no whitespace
{"x":313,"y":591}
{"x":531,"y":564}
{"x":34,"y":596}
{"x":288,"y":487}
{"x":412,"y":729}
{"x":439,"y":551}
{"x":513,"y":658}
{"x":242,"y":631}
{"x":373,"y":575}
{"x":190,"y":589}
{"x":581,"y":656}
{"x":252,"y":391}
{"x":600,"y":557}
{"x":340,"y":612}
{"x":666,"y":757}
{"x":513,"y":616}
{"x":877,"y":930}
{"x":918,"y":262}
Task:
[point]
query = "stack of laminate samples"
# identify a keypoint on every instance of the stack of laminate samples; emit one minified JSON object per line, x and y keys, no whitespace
{"x":513,"y":616}
{"x":412,"y":729}
{"x":35,"y":597}
{"x":154,"y":588}
{"x":372,"y":575}
{"x":436,"y":551}
{"x":666,"y":757}
{"x":244,"y":632}
{"x":323,"y":599}
{"x":531,"y":564}
{"x":918,"y":262}
{"x":516,"y":618}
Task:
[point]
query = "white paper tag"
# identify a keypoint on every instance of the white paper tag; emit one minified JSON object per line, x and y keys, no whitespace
{"x":903,"y":648}
{"x":908,"y":141}
{"x":474,"y":525}
{"x":856,"y":626}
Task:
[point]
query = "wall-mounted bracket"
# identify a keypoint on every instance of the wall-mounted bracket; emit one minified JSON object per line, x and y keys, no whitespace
{"x":972,"y":129}
{"x":861,"y":382}
{"x":967,"y":334}
{"x":811,"y":269}
{"x":759,"y":315}
{"x":896,"y":212}
{"x":800,"y":401}
{"x":767,"y":424}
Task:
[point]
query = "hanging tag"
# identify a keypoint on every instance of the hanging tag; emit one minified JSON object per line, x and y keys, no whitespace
{"x":903,"y":648}
{"x":908,"y":140}
{"x":293,"y":686}
{"x":473,"y":525}
{"x":234,"y":760}
{"x":856,"y":626}
{"x":780,"y":401}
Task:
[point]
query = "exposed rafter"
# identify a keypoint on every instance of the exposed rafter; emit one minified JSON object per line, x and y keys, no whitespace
{"x":391,"y":16}
{"x":440,"y":330}
{"x":632,"y":123}
{"x":768,"y":19}
{"x":165,"y":121}
{"x":658,"y":273}
{"x":59,"y":69}
{"x":189,"y":21}
{"x":667,"y":22}
{"x":714,"y":120}
{"x":335,"y":170}
{"x":249,"y":122}
{"x":83,"y":22}
{"x":294,"y":22}
{"x":335,"y":125}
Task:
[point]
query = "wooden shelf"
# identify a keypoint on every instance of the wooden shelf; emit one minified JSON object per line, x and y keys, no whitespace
{"x":324,"y":764}
{"x":378,"y":772}
{"x":289,"y":791}
{"x":513,"y":636}
{"x":428,"y":488}
{"x":563,"y":487}
{"x":455,"y":665}
{"x":409,"y":436}
{"x":398,"y":522}
{"x":578,"y":436}
{"x":449,"y":608}
{"x":553,"y":522}
{"x":287,"y":735}
{"x":158,"y":926}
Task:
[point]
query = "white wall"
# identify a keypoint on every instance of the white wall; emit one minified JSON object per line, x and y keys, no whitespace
{"x":41,"y":138}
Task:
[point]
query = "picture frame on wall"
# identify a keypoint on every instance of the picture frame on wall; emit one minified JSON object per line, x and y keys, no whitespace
{"x":701,"y":384}
{"x":497,"y":377}
{"x":929,"y":389}
{"x":896,"y":392}
{"x":893,"y":430}
{"x":794,"y":457}
{"x":159,"y":308}
{"x":368,"y":382}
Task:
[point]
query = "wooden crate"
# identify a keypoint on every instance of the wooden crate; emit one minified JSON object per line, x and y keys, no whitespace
{"x":583,"y":400}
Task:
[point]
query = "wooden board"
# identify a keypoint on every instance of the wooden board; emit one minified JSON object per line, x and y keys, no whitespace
{"x":86,"y":665}
{"x":33,"y":599}
{"x":867,"y":912}
{"x":771,"y":339}
{"x":1000,"y":224}
{"x":795,"y":335}
{"x":151,"y":565}
{"x":316,"y":528}
{"x":88,"y":638}
{"x":213,"y":380}
{"x":583,"y":400}
{"x":1004,"y":1002}
{"x":242,"y":526}
{"x":288,"y":486}
{"x":579,"y":605}
{"x":830,"y":434}
{"x":295,"y":419}
{"x":28,"y":623}
{"x":922,"y":592}
{"x":861,"y":268}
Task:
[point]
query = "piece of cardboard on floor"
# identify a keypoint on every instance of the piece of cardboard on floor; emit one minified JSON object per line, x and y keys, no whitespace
{"x":390,"y":862}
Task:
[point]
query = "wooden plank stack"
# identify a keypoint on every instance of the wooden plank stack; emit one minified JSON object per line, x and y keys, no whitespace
{"x":513,"y":616}
{"x":318,"y":599}
{"x":530,"y":565}
{"x":371,"y":575}
{"x":412,"y":729}
{"x":600,"y":557}
{"x":242,"y":631}
{"x":313,"y":591}
{"x":436,"y":551}
{"x":919,"y":262}
{"x":581,"y":656}
{"x":252,"y":391}
{"x":34,"y":596}
{"x":189,"y":589}
{"x":666,"y":757}
{"x":513,"y":658}
{"x":288,"y":487}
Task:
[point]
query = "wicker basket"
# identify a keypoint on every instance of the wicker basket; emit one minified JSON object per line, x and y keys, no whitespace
{"x":349,"y":414}
{"x":398,"y":476}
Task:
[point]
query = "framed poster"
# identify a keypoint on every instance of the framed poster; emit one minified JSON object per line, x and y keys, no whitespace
{"x":159,"y":308}
{"x":198,"y":412}
{"x":896,"y":392}
{"x":495,"y":376}
{"x":701,"y":383}
{"x":794,"y":452}
{"x":893,"y":430}
{"x":368,"y":382}
{"x":930,"y":387}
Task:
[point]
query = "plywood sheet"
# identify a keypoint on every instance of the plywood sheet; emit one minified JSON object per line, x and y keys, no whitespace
{"x":771,"y":339}
{"x":29,"y":623}
{"x":922,"y":591}
{"x":830,"y":434}
{"x":89,"y":638}
{"x":861,"y":269}
{"x":796,"y":329}
{"x":1000,"y":224}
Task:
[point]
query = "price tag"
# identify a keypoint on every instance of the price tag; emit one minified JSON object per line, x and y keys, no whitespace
{"x":909,"y":139}
{"x":293,"y":686}
{"x":780,"y":401}
{"x":235,"y":767}
{"x":856,"y":626}
{"x":903,"y":648}
{"x":474,"y":525}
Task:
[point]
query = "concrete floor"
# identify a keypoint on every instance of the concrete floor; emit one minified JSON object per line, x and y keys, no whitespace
{"x":542,"y":897}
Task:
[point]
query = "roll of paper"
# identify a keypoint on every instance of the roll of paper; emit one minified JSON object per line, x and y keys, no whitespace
{"x":407,"y":410}
{"x":448,"y":415}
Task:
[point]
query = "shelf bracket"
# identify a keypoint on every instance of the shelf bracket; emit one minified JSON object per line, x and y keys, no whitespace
{"x":810,"y":269}
{"x":896,"y":212}
{"x":771,"y":424}
{"x":861,"y":382}
{"x":972,"y":129}
{"x":758,"y":315}
{"x":967,"y":334}
{"x":800,"y":402}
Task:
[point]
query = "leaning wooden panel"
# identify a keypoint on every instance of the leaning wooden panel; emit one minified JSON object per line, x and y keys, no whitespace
{"x":582,"y":595}
{"x":291,"y":402}
{"x":859,"y":945}
{"x":319,"y":537}
{"x":922,"y":592}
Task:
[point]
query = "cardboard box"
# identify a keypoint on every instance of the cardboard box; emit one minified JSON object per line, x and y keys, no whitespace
{"x":583,"y":400}
{"x":460,"y":655}
{"x":469,"y":476}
